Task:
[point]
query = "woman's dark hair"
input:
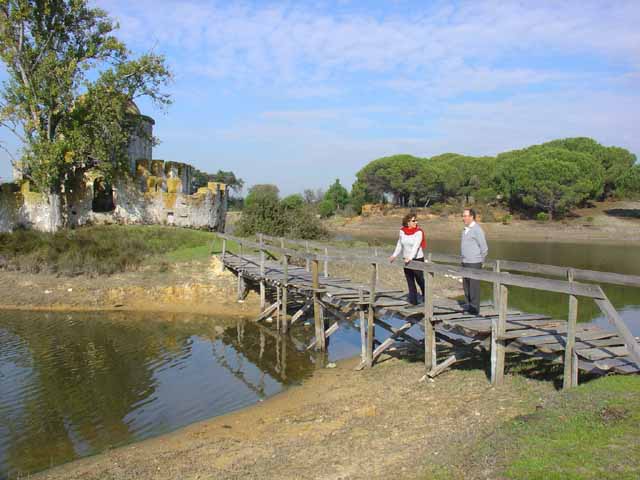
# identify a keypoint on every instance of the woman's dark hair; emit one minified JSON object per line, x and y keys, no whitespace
{"x":406,"y":218}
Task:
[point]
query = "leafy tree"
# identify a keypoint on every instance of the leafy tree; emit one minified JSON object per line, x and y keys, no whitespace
{"x":548,"y":179}
{"x":628,"y":185}
{"x":616,"y":161}
{"x":326,"y":208}
{"x":293,"y":202}
{"x":338,"y":195}
{"x":51,"y":49}
{"x":201,"y":179}
{"x":359,"y":196}
{"x":265,"y":213}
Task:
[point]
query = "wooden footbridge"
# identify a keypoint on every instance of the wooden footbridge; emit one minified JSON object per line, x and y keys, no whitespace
{"x":287,"y":273}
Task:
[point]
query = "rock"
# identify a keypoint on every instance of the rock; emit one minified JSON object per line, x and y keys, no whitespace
{"x":331,"y":365}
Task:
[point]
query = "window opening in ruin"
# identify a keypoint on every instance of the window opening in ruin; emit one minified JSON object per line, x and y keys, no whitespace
{"x":102,"y":196}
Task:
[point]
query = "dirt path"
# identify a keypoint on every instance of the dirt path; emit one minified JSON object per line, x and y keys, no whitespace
{"x":341,"y":424}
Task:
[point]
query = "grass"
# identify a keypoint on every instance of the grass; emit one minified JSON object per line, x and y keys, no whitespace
{"x":103,"y":249}
{"x":589,"y":432}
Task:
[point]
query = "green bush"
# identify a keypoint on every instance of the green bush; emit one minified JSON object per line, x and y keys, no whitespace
{"x":265,"y":213}
{"x":326,"y":208}
{"x":506,"y":220}
{"x":542,"y":217}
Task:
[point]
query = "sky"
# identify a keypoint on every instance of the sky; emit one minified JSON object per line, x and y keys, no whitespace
{"x":300,"y":93}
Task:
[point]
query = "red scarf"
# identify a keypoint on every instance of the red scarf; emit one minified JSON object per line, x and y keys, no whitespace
{"x":411,"y":231}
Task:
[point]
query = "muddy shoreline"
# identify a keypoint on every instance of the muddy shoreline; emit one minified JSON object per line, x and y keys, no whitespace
{"x":340,"y":424}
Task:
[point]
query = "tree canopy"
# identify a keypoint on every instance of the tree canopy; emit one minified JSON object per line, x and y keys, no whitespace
{"x":69,"y":88}
{"x":552,"y":177}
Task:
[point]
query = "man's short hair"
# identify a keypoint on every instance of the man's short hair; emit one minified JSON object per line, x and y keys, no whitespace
{"x":471,"y":211}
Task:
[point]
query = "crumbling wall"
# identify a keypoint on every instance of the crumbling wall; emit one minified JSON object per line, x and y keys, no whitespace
{"x":148,"y":198}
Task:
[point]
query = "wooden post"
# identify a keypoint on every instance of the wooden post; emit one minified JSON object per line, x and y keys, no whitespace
{"x":278,"y":309}
{"x":282,"y":247}
{"x":371,"y":316}
{"x":363,"y":326}
{"x":326,"y":262}
{"x":430,"y":359}
{"x":498,"y":328}
{"x":285,"y":291}
{"x":570,"y":357}
{"x":318,"y":314}
{"x":263,"y":289}
{"x":496,"y":287}
{"x":224,"y":252}
{"x":375,"y":254}
{"x":306,"y":245}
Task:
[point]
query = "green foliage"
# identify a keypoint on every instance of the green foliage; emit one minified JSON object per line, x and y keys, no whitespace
{"x":359,"y":196}
{"x":326,"y":208}
{"x":616,"y":161}
{"x":100,"y":249}
{"x":547,"y":178}
{"x":265,"y":213}
{"x":553,"y":177}
{"x":50,"y":51}
{"x":542,"y":217}
{"x":628,"y":185}
{"x":293,"y":202}
{"x":201,"y":179}
{"x":506,"y":220}
{"x":265,"y":195}
{"x":338,"y":195}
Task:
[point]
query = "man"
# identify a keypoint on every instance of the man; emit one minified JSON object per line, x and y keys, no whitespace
{"x":473,"y":250}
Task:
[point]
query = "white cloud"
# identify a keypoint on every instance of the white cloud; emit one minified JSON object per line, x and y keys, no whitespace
{"x":294,"y":43}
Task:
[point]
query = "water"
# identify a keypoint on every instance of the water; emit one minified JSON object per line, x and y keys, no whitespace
{"x":72,"y":385}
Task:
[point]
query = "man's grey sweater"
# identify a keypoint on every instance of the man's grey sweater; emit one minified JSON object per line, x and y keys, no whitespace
{"x":473,"y":247}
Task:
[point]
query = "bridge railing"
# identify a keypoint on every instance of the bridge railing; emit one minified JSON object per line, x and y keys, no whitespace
{"x":500,"y":279}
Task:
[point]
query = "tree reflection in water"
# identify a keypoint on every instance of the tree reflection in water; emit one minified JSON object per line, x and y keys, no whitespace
{"x":75,"y":384}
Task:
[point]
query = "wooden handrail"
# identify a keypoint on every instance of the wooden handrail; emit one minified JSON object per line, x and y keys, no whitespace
{"x":508,"y":265}
{"x":538,"y":283}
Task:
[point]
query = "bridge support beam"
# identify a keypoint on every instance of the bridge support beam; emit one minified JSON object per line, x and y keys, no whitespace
{"x":430,"y":359}
{"x":570,"y":378}
{"x":498,"y":328}
{"x":318,"y":311}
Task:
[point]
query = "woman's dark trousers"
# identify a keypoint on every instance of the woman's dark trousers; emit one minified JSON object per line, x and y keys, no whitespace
{"x":413,"y":277}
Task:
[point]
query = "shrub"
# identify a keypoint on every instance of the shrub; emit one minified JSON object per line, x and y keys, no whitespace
{"x":265,"y":213}
{"x":506,"y":220}
{"x":542,"y":217}
{"x":326,"y":208}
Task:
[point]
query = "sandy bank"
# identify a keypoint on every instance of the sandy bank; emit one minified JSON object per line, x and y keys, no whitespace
{"x":341,"y":424}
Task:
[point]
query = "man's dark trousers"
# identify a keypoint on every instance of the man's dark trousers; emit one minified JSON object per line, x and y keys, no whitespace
{"x":472,"y":289}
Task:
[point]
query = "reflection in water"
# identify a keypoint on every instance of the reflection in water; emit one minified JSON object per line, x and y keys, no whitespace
{"x":75,"y":384}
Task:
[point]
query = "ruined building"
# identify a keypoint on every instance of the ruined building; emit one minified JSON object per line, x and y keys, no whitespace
{"x":151,"y":192}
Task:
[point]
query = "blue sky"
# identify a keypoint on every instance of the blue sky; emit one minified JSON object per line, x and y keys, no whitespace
{"x":299,"y":93}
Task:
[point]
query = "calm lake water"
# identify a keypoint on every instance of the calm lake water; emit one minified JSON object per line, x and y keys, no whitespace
{"x":75,"y":384}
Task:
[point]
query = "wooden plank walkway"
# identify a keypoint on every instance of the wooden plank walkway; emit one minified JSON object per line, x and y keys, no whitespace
{"x":594,"y":349}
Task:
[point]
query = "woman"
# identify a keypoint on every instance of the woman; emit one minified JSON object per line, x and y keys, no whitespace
{"x":411,"y":244}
